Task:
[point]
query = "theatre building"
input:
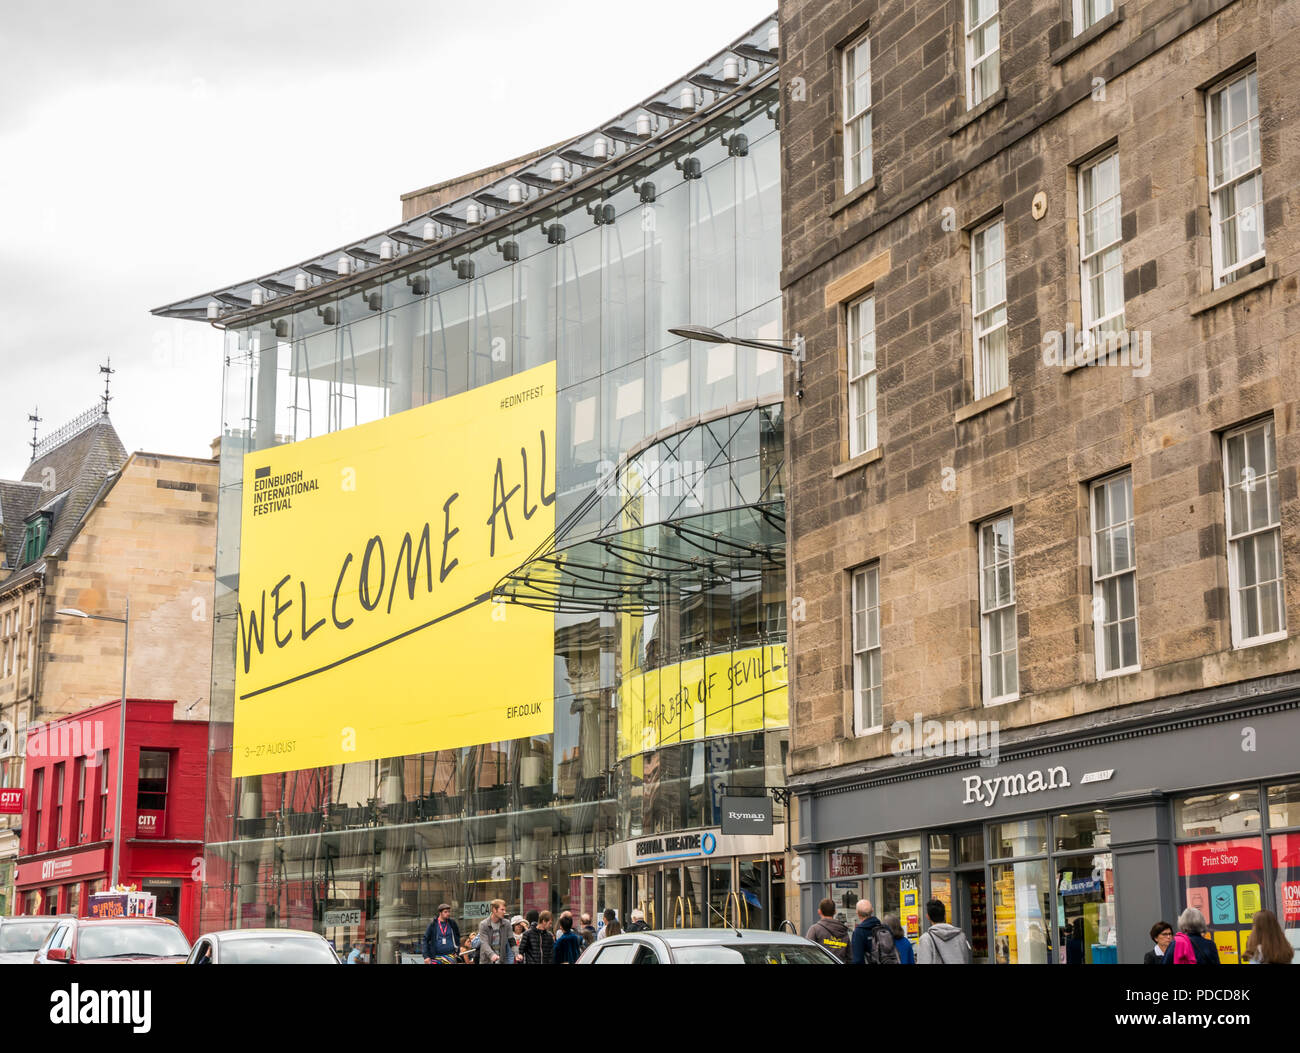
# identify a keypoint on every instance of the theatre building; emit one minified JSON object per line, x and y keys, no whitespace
{"x":1043,"y":480}
{"x":71,"y":804}
{"x":652,"y":599}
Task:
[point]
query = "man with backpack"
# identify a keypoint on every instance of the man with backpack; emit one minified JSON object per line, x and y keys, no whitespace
{"x":873,"y":943}
{"x":537,"y":945}
{"x":941,"y":943}
{"x":829,"y":931}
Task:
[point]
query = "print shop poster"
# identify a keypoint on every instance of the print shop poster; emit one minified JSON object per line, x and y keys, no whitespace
{"x":367,"y":559}
{"x":1224,"y":880}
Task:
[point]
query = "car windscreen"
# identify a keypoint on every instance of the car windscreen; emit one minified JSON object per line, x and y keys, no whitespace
{"x":24,"y":935}
{"x":273,"y":950}
{"x":123,"y":941}
{"x":752,"y":954}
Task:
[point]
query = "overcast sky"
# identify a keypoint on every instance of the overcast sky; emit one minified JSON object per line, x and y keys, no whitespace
{"x":154,"y":150}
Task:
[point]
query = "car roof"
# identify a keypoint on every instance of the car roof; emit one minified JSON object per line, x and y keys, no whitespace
{"x":125,"y":921}
{"x":253,"y":934}
{"x":674,"y":937}
{"x":50,"y":918}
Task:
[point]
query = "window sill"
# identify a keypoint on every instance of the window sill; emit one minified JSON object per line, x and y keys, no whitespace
{"x":860,"y":461}
{"x":1260,"y":641}
{"x":1257,"y":280}
{"x":1126,"y":671}
{"x":856,"y":194}
{"x":979,"y":406}
{"x":976,"y":112}
{"x":1078,"y":43}
{"x":990,"y":703}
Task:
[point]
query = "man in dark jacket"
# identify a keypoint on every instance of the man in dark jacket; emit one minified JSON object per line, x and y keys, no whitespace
{"x":442,"y":937}
{"x":537,"y":945}
{"x":638,"y":921}
{"x":588,"y":931}
{"x":569,"y":946}
{"x":829,"y":931}
{"x":865,"y":934}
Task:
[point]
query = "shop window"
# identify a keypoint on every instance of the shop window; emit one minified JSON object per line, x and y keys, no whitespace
{"x":970,"y":847}
{"x":1254,"y":524}
{"x":902,"y":853}
{"x":849,"y":861}
{"x":1236,"y":178}
{"x":1286,"y":880}
{"x":73,"y":899}
{"x":1222,"y":812}
{"x":1081,"y":831}
{"x":1024,"y":837}
{"x":168,"y":892}
{"x":1284,"y":805}
{"x":1085,"y":889}
{"x":1021,"y":900}
{"x":940,"y":851}
{"x":1224,"y":880}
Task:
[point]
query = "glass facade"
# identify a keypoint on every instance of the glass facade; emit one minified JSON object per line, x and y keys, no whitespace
{"x":366,"y":851}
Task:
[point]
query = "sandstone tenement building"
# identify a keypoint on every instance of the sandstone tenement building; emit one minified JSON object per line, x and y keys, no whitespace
{"x":1042,"y":476}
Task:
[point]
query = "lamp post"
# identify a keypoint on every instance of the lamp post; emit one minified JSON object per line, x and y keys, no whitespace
{"x":706,"y":335}
{"x":125,"y":622}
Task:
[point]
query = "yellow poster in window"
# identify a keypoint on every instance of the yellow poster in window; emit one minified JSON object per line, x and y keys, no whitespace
{"x":366,"y":626}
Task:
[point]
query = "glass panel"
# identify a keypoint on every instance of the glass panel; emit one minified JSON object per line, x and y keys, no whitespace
{"x":1023,"y":837}
{"x":1224,"y":880}
{"x":722,"y":908}
{"x":940,"y":851}
{"x":1021,"y":909}
{"x":1286,"y":886}
{"x":1085,"y":908}
{"x":1284,"y":805}
{"x":970,"y":847}
{"x":849,"y":861}
{"x":1221,"y":812}
{"x":898,"y":854}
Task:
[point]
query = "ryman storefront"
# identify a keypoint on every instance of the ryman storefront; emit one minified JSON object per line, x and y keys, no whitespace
{"x":1067,"y":849}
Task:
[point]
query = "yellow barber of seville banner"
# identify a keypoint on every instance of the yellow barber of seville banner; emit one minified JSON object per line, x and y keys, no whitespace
{"x":721,"y":694}
{"x":367,"y":559}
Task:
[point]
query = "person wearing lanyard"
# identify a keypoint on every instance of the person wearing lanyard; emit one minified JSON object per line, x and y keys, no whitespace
{"x":442,"y":937}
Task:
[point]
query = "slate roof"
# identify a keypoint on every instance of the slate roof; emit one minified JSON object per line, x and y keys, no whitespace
{"x":65,"y":480}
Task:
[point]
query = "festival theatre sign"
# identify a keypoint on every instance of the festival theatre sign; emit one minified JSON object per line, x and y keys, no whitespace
{"x":367,"y":560}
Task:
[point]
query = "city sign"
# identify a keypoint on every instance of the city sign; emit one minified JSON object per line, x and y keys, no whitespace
{"x":11,"y":802}
{"x":366,"y":626}
{"x":342,"y":917}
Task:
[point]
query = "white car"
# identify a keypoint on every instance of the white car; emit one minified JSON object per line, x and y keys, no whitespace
{"x":21,"y":937}
{"x":262,"y":947}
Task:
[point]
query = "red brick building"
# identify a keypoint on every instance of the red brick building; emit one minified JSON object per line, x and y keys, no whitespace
{"x":70,"y":803}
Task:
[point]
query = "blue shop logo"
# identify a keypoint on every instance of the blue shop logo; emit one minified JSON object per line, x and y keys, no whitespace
{"x":708,"y":843}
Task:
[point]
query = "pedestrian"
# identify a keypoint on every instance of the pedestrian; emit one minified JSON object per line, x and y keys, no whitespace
{"x":588,"y":931}
{"x":638,"y":921}
{"x":569,"y":946}
{"x":612,"y":927}
{"x":517,"y":928}
{"x":906,"y":953}
{"x":356,"y":956}
{"x":1162,"y":935}
{"x":1190,"y":946}
{"x":829,"y":931}
{"x":941,"y":943}
{"x":494,"y":935}
{"x":537,"y":945}
{"x":1267,"y":943}
{"x":1074,"y":944}
{"x":872,"y":943}
{"x":469,"y":950}
{"x":442,"y":937}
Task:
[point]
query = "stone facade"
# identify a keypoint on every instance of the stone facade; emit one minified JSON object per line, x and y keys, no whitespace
{"x":945,"y":462}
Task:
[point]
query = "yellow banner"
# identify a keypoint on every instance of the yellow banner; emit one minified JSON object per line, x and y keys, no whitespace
{"x":721,"y":694}
{"x":367,"y":558}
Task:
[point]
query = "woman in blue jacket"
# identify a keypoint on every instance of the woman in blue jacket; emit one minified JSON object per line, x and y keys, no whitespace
{"x":906,"y":956}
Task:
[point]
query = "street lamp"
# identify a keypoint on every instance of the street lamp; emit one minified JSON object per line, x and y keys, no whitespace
{"x":706,"y":335}
{"x":125,"y":622}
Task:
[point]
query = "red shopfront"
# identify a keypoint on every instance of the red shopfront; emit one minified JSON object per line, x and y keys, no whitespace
{"x":71,"y":801}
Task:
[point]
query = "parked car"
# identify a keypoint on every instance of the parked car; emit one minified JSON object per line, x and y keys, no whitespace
{"x":20,"y":938}
{"x":706,"y":947}
{"x":262,"y":947}
{"x":117,"y":941}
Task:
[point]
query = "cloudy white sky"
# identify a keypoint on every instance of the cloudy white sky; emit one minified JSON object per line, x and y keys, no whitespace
{"x":154,"y":150}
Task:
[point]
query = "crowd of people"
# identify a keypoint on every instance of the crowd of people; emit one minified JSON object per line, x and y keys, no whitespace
{"x":527,"y":939}
{"x":882,"y":941}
